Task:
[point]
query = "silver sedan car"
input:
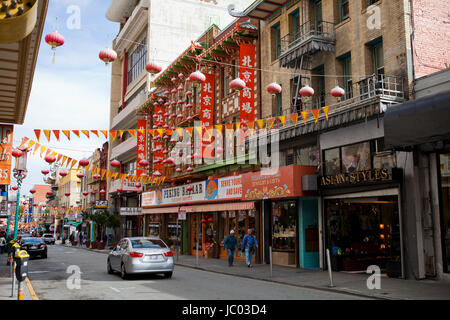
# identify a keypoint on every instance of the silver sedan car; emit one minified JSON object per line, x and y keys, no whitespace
{"x":140,"y":255}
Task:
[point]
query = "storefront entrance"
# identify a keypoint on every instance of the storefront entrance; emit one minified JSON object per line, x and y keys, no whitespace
{"x":444,"y":161}
{"x":364,"y":231}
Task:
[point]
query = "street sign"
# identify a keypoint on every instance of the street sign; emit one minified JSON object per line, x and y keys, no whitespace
{"x":182,"y":215}
{"x":100,"y":204}
{"x":130,"y":211}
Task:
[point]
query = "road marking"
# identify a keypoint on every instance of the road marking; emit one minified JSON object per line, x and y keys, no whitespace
{"x":114,"y":289}
{"x":30,"y":288}
{"x":38,"y":271}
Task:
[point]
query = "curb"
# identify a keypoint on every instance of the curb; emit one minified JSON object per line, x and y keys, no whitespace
{"x":344,"y":291}
{"x":31,"y":290}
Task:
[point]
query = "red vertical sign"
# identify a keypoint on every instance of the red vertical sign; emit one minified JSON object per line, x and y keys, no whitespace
{"x":159,"y":155}
{"x":141,"y":145}
{"x":247,"y":73}
{"x":207,"y":112}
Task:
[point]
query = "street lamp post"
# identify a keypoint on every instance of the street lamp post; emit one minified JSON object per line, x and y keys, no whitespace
{"x":20,"y":172}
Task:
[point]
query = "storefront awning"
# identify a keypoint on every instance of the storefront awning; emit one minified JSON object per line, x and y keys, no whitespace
{"x":203,"y":208}
{"x":72,"y":224}
{"x":418,"y":122}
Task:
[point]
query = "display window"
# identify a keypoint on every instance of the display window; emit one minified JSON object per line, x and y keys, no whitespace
{"x":364,"y":231}
{"x":332,"y":161}
{"x":444,"y":164}
{"x":154,"y":225}
{"x":173,"y":231}
{"x":356,"y":157}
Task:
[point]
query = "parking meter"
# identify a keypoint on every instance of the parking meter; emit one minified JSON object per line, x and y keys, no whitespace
{"x":15,"y":248}
{"x":21,"y":259}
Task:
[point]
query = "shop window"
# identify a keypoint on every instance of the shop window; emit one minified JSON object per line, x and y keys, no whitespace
{"x":444,"y":160}
{"x":232,"y":222}
{"x":154,"y":226}
{"x":332,"y":159}
{"x":356,"y":157}
{"x":173,"y":231}
{"x":241,"y":229}
{"x":284,"y":231}
{"x":382,"y":159}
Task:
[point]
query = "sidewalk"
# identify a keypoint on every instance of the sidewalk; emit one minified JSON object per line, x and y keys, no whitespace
{"x":6,"y":282}
{"x":349,"y":283}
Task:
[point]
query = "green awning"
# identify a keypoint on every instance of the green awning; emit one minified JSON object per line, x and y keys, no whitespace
{"x":73,"y":223}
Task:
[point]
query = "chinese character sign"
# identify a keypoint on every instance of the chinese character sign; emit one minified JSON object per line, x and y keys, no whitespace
{"x":141,"y":145}
{"x":247,"y":73}
{"x":6,"y":136}
{"x":159,"y":155}
{"x":207,"y":111}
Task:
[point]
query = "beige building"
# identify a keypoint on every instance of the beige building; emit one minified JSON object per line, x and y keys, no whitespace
{"x":68,"y":184}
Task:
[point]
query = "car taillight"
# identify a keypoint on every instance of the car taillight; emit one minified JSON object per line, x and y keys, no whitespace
{"x":23,"y":248}
{"x":168,"y":254}
{"x":136,"y":254}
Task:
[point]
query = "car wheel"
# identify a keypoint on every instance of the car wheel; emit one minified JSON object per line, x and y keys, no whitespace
{"x":123,"y":272}
{"x":108,"y":267}
{"x":44,"y":255}
{"x":168,"y":275}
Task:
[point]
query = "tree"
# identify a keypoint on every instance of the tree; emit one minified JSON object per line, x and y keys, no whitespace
{"x":113,"y":222}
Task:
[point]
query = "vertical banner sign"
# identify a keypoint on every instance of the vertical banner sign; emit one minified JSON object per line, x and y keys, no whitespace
{"x":141,"y":145}
{"x":159,"y":121}
{"x":6,"y":136}
{"x":207,"y":113}
{"x":247,"y":73}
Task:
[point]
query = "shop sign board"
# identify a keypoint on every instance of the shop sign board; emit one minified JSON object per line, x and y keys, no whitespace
{"x":357,"y":177}
{"x":6,"y":140}
{"x":99,"y":204}
{"x":182,"y":215}
{"x":230,"y":187}
{"x":275,"y":183}
{"x":130,"y":211}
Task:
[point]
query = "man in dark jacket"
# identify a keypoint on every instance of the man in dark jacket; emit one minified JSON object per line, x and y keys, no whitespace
{"x":230,"y":244}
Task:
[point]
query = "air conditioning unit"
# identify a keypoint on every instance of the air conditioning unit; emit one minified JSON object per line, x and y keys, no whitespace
{"x":309,"y":182}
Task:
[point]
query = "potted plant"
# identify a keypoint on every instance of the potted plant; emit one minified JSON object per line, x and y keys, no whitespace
{"x":88,"y":243}
{"x":100,"y":245}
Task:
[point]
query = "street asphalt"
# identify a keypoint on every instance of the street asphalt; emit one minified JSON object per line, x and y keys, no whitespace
{"x":54,"y":278}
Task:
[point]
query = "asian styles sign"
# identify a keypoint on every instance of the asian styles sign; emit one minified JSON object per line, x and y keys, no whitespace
{"x":247,"y":73}
{"x":357,"y":177}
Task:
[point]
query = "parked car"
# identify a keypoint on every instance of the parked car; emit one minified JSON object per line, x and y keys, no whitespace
{"x":34,"y":247}
{"x":23,"y":235}
{"x":140,"y":255}
{"x":48,"y":238}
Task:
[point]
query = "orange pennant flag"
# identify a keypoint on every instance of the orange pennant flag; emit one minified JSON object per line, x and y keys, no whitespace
{"x":152,"y":132}
{"x":68,"y":161}
{"x":189,"y":130}
{"x":270,"y":122}
{"x":36,"y":147}
{"x":238,"y":125}
{"x":160,"y":132}
{"x":73,"y":163}
{"x":59,"y":157}
{"x":56,"y":133}
{"x":282,"y":119}
{"x":113,"y":134}
{"x":63,"y":160}
{"x":251,"y":125}
{"x":42,"y":150}
{"x":199,"y":130}
{"x":294,"y":118}
{"x":103,"y":173}
{"x":37,"y":132}
{"x":67,"y":133}
{"x":326,"y":109}
{"x":169,"y":132}
{"x":316,"y":113}
{"x":95,"y":132}
{"x":47,"y":134}
{"x":115,"y":175}
{"x":86,"y":132}
{"x":179,"y":131}
{"x":77,"y":132}
{"x":304,"y":115}
{"x":133,"y":133}
{"x":31,"y":144}
{"x":121,"y":133}
{"x":105,"y":133}
{"x":54,"y":153}
{"x":47,"y":152}
{"x":141,"y":131}
{"x":260,"y":123}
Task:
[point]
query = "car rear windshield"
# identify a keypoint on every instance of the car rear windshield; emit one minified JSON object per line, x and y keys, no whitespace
{"x":33,"y":240}
{"x":147,"y":243}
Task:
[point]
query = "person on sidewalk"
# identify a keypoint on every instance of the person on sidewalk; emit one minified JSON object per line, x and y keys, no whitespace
{"x":80,"y":242}
{"x":249,"y":245}
{"x":2,"y":244}
{"x":230,"y":244}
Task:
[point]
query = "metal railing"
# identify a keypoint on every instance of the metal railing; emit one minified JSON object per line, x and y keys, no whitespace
{"x":322,"y":29}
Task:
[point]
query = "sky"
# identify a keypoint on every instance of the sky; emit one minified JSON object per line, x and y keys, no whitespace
{"x":73,"y":93}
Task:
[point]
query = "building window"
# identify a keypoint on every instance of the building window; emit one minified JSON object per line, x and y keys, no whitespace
{"x":356,"y":157}
{"x":371,"y":2}
{"x":296,"y":99}
{"x":378,"y":59}
{"x":318,"y":81}
{"x":225,"y":82}
{"x":346,"y":63}
{"x":275,"y":41}
{"x":294,"y":23}
{"x":332,"y":159}
{"x":344,"y":9}
{"x":137,"y":59}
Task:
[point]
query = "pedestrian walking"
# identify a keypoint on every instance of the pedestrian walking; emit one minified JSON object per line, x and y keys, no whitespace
{"x":230,"y":244}
{"x":80,"y":240}
{"x":249,"y":245}
{"x":2,"y":244}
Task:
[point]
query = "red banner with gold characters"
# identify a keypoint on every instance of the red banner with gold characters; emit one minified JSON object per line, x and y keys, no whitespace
{"x":247,"y":73}
{"x":207,"y":112}
{"x":160,"y":120}
{"x":6,"y":136}
{"x":141,"y":145}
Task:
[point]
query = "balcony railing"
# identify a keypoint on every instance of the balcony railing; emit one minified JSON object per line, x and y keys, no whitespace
{"x":322,"y":29}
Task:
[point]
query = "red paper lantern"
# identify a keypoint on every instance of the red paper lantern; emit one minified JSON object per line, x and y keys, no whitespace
{"x":189,"y":169}
{"x":180,"y":88}
{"x":188,"y":93}
{"x":210,"y":220}
{"x":45,"y":171}
{"x":85,"y":193}
{"x":102,"y":191}
{"x":337,"y":92}
{"x":14,"y":188}
{"x":273,"y":88}
{"x":138,"y":185}
{"x":157,"y":174}
{"x":67,"y":194}
{"x":54,"y":39}
{"x":84,"y":163}
{"x":16,"y":153}
{"x":144,"y":163}
{"x":189,"y":118}
{"x":93,"y":191}
{"x":63,"y":173}
{"x":197,"y":77}
{"x":80,"y":175}
{"x":32,"y":191}
{"x":204,"y":220}
{"x":173,"y":91}
{"x":237,"y":84}
{"x":50,"y":159}
{"x":306,"y":91}
{"x":107,"y":55}
{"x":153,"y":68}
{"x":49,"y":193}
{"x":189,"y":106}
{"x":115,"y":163}
{"x":119,"y":190}
{"x":180,"y":75}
